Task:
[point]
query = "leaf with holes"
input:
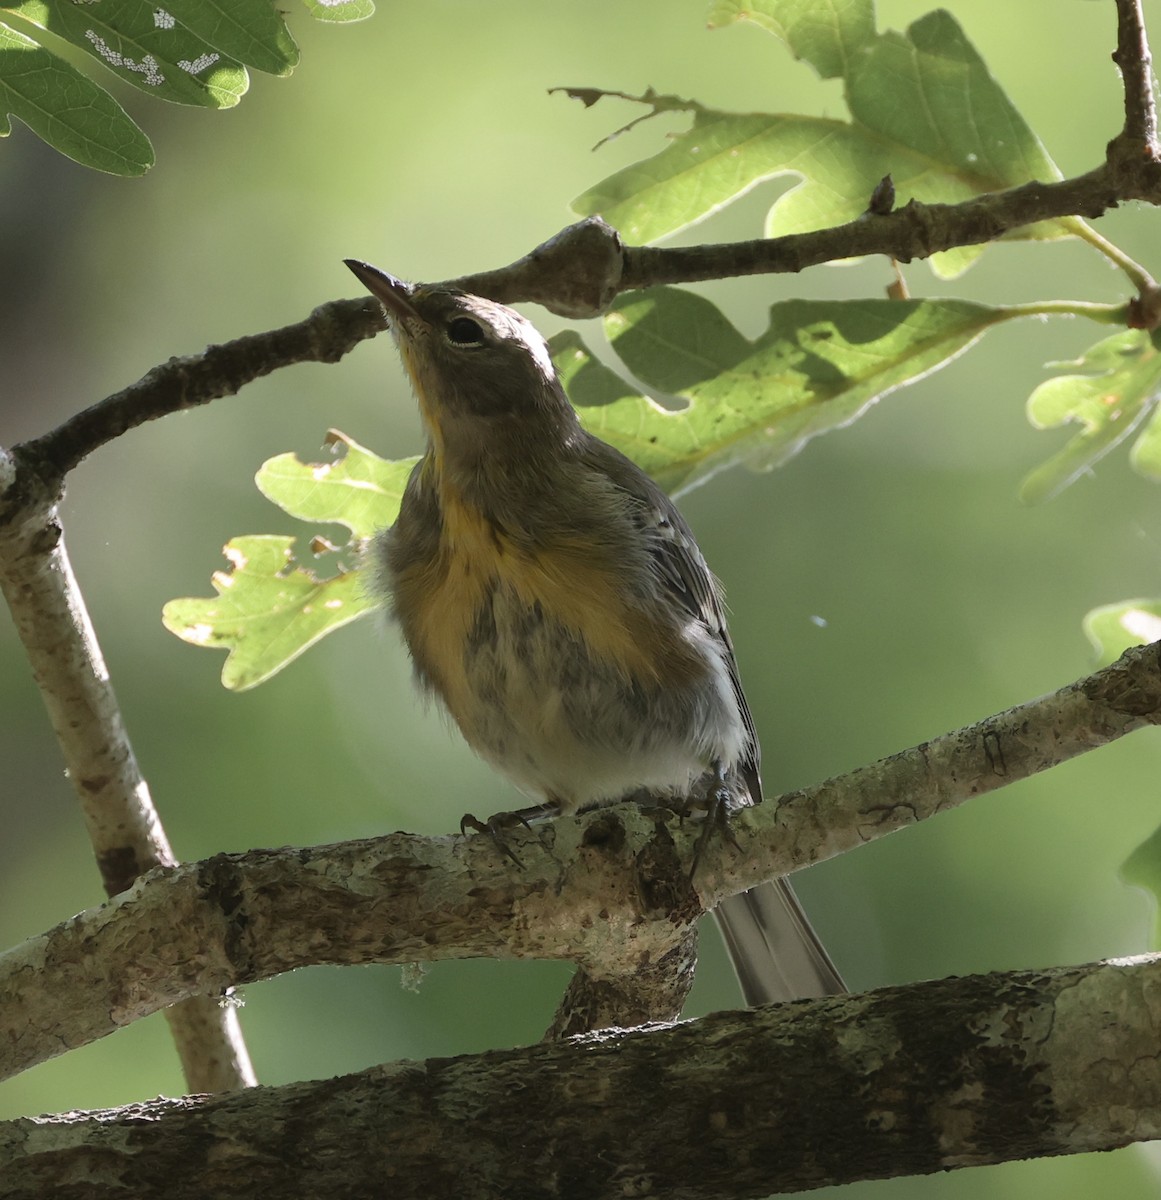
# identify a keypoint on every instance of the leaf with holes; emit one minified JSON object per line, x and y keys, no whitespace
{"x":923,"y":108}
{"x":144,"y":46}
{"x":1110,"y":401}
{"x":356,"y":488}
{"x":268,"y":610}
{"x":65,"y":108}
{"x":189,"y":52}
{"x":251,"y":31}
{"x":818,"y":366}
{"x":270,"y":607}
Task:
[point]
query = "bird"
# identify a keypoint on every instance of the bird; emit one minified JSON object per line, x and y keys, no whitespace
{"x":556,"y":602}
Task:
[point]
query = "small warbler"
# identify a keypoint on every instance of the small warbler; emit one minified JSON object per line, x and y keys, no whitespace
{"x":555,"y":600}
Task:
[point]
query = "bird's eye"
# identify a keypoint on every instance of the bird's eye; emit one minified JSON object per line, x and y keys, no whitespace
{"x":463,"y":331}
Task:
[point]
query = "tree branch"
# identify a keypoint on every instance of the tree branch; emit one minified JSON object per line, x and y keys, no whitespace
{"x":608,"y":890}
{"x":1136,"y":65}
{"x":915,"y":231}
{"x":578,"y":273}
{"x":902,"y":1081}
{"x":49,"y":613}
{"x":330,"y":332}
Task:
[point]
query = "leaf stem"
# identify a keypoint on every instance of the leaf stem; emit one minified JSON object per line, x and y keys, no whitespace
{"x":1138,"y":276}
{"x":1103,"y":314}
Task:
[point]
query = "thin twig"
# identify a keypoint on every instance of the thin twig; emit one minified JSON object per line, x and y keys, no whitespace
{"x":1136,"y":65}
{"x":331,"y":331}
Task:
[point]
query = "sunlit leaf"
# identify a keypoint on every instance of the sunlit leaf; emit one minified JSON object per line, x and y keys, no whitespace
{"x":189,"y":52}
{"x":270,"y":607}
{"x":930,"y":91}
{"x":724,"y":155}
{"x":340,"y":10}
{"x":145,"y":46}
{"x":819,"y":365}
{"x":356,"y":488}
{"x":824,"y":35}
{"x":923,"y":107}
{"x":251,"y":31}
{"x":1120,"y":385}
{"x":1113,"y":628}
{"x":66,"y":109}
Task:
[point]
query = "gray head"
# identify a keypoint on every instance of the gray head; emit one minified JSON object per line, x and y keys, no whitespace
{"x":481,"y":372}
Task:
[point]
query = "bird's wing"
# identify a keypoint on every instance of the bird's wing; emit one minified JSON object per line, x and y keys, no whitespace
{"x":682,"y":567}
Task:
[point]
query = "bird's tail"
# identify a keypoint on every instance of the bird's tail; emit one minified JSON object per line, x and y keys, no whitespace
{"x":775,"y":952}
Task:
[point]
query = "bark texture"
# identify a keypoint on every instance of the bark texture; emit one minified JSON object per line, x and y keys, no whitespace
{"x":901,"y":1081}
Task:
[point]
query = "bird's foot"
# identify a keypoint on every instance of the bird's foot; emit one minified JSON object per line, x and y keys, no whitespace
{"x":500,"y":824}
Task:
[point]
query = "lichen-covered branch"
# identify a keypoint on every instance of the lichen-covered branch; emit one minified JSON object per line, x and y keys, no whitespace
{"x":49,"y":614}
{"x":845,"y":812}
{"x":608,"y":890}
{"x":903,"y":1081}
{"x":582,"y":893}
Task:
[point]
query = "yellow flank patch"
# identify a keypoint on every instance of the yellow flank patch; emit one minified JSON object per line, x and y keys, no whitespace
{"x":443,"y":598}
{"x":569,"y":580}
{"x":584,"y":594}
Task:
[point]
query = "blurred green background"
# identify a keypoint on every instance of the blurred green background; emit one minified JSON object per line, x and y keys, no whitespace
{"x":885,"y":586}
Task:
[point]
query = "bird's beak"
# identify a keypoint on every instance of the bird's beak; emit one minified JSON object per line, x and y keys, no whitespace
{"x":392,"y":293}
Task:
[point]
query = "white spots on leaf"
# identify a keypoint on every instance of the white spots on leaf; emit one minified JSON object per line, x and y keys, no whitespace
{"x":147,"y":67}
{"x":199,"y":635}
{"x":333,"y":604}
{"x":199,"y":64}
{"x":162,"y":19}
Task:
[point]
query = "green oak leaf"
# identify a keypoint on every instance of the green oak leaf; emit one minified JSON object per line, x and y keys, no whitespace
{"x":824,"y":35}
{"x":357,"y":488}
{"x":340,"y":10}
{"x":819,"y":365}
{"x":187,"y":52}
{"x":1113,"y":628}
{"x":923,"y":107}
{"x":137,"y":43}
{"x":269,"y":607}
{"x":251,"y":31}
{"x":1119,"y":388}
{"x":65,"y":108}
